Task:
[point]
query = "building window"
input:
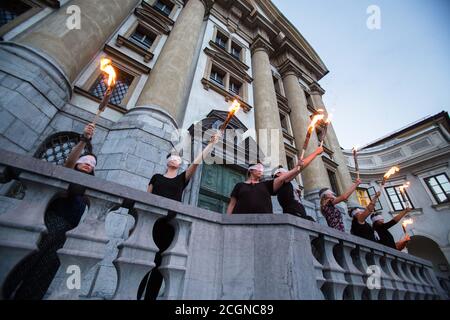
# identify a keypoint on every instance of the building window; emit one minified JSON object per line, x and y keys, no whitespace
{"x":333,"y":181}
{"x":123,"y":83}
{"x":284,"y":122}
{"x":439,"y":186}
{"x":143,"y":37}
{"x":236,"y":51}
{"x":57,"y":147}
{"x":235,"y":87}
{"x":221,"y":40}
{"x":165,"y":7}
{"x":11,"y":9}
{"x":365,"y":195}
{"x":396,"y":198}
{"x":276,"y":83}
{"x":290,"y":162}
{"x":217,"y":76}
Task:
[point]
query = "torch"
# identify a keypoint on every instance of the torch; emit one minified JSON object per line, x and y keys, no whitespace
{"x":234,"y":108}
{"x":319,"y":116}
{"x":355,"y":158}
{"x":403,"y":193}
{"x":405,"y":223}
{"x":106,"y":67}
{"x":388,"y":174}
{"x":325,"y":125}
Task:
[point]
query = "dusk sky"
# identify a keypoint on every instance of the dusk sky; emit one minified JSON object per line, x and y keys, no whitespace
{"x":379,"y":80}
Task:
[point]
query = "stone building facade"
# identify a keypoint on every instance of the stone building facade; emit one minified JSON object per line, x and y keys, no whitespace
{"x":179,"y":63}
{"x":422,"y":152}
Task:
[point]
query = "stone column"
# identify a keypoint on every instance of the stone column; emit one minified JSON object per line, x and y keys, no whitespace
{"x":315,"y":175}
{"x":343,"y":173}
{"x":37,"y":69}
{"x":266,"y":105}
{"x":170,"y":78}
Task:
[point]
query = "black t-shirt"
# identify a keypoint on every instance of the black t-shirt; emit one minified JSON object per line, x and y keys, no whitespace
{"x":362,"y":230}
{"x":253,"y":198}
{"x":171,"y":188}
{"x":386,"y":237}
{"x":287,"y":200}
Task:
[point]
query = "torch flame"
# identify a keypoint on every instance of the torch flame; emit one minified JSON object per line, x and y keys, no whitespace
{"x":355,"y":149}
{"x":235,"y":106}
{"x":106,"y":66}
{"x":406,"y":222}
{"x":315,"y":119}
{"x":391,"y":172}
{"x":403,"y":187}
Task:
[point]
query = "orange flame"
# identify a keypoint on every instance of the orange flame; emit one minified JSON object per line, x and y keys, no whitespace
{"x":315,"y":119}
{"x":235,"y":106}
{"x":391,"y":172}
{"x":403,"y":187}
{"x":106,"y":66}
{"x":406,"y":222}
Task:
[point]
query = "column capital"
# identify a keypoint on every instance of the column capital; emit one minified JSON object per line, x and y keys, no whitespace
{"x":207,"y":3}
{"x":316,"y":89}
{"x":288,"y":67}
{"x":261,"y":44}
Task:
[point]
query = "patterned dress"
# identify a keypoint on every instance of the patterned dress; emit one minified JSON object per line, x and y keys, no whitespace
{"x":333,"y":216}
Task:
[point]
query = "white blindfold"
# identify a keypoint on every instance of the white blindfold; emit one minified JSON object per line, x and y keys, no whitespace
{"x":90,"y":160}
{"x":257,"y":167}
{"x":175,"y":158}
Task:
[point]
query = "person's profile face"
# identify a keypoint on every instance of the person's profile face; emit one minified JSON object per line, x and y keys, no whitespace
{"x":85,"y":167}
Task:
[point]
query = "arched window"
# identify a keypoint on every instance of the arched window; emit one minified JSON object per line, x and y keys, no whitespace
{"x":57,"y":147}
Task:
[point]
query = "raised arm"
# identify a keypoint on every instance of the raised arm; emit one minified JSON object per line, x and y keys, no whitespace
{"x":290,"y":175}
{"x":231,"y":205}
{"x":370,"y":207}
{"x":400,"y":216}
{"x":311,"y":157}
{"x":78,"y":149}
{"x":194,"y":165}
{"x":348,"y":193}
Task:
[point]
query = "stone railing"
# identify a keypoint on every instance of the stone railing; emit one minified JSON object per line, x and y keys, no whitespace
{"x":212,"y":256}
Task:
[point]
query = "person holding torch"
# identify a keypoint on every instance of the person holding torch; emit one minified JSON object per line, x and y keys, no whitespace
{"x":382,"y":230}
{"x":360,"y":227}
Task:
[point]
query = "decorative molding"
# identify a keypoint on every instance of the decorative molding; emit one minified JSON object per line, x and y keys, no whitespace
{"x":130,"y":61}
{"x":234,"y":60}
{"x":225,"y":61}
{"x":283,"y":103}
{"x":259,"y":43}
{"x":316,"y":88}
{"x":207,"y":84}
{"x":330,"y":162}
{"x":147,"y":54}
{"x":153,"y":16}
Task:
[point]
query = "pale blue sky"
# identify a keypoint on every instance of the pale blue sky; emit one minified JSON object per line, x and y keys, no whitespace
{"x":379,"y":80}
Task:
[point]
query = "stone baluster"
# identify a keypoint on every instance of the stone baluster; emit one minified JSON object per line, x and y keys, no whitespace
{"x":406,"y":280}
{"x":174,"y":260}
{"x":85,"y":247}
{"x":101,"y":280}
{"x":21,"y":226}
{"x":387,"y":283}
{"x":352,"y":275}
{"x":138,"y":252}
{"x":335,"y":282}
{"x":360,"y":259}
{"x":318,"y":267}
{"x":420,"y":290}
{"x":390,"y":261}
{"x":428,"y":286}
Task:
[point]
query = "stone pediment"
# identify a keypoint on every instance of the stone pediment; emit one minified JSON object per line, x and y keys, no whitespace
{"x":157,"y":20}
{"x":229,"y":63}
